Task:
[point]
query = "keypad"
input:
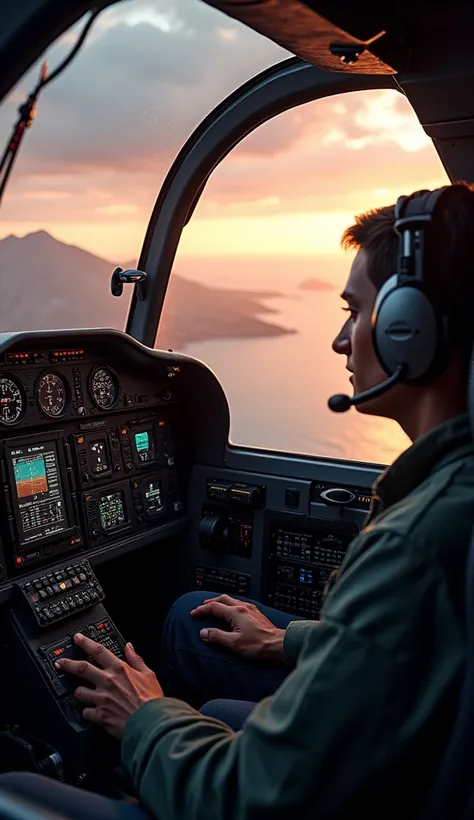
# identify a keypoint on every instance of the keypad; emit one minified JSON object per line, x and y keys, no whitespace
{"x":63,"y":592}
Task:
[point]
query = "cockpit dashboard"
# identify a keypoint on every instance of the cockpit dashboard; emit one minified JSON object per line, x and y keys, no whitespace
{"x":95,"y":440}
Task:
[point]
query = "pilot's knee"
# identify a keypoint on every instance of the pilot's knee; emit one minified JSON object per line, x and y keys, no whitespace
{"x":26,"y":784}
{"x":180,"y":626}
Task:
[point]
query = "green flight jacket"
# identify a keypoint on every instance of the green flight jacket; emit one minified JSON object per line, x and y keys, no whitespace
{"x":359,"y":726}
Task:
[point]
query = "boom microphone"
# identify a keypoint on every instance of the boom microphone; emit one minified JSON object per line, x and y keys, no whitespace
{"x":340,"y":402}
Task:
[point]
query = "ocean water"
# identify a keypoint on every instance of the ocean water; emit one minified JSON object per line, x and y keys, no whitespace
{"x":277,"y":387}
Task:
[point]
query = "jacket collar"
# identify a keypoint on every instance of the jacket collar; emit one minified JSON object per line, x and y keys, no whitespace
{"x":431,"y":452}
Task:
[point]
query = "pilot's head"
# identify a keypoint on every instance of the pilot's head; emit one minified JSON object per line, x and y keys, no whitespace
{"x":449,"y":269}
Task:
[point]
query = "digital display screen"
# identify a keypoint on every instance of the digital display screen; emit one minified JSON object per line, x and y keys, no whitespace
{"x":39,"y":493}
{"x":112,"y":511}
{"x":98,"y":457}
{"x":144,"y":445}
{"x":306,"y":575}
{"x":152,"y":497}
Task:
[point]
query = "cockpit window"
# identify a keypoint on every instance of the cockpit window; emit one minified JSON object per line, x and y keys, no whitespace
{"x":256,"y":282}
{"x":105,"y":134}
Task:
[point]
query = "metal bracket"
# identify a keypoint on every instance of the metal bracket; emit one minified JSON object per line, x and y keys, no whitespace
{"x":122,"y":277}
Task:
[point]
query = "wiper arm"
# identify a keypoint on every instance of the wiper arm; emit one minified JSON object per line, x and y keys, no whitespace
{"x":27,"y":110}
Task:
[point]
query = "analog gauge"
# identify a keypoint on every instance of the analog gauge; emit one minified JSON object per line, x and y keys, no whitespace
{"x":104,"y":388}
{"x":12,"y":401}
{"x":52,"y":394}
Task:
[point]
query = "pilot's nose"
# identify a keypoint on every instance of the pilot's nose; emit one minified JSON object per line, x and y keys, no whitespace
{"x":342,"y":342}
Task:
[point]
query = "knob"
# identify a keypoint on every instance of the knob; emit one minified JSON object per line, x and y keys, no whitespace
{"x":214,"y":532}
{"x":338,"y":496}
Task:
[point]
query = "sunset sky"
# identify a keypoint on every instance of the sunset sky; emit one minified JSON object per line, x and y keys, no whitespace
{"x":108,"y":129}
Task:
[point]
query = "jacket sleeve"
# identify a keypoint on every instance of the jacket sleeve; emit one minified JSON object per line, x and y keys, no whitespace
{"x":331,"y":730}
{"x":295,"y":636}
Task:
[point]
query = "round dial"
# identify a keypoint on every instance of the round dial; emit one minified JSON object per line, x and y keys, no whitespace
{"x":52,"y":394}
{"x":104,"y":388}
{"x":12,"y":401}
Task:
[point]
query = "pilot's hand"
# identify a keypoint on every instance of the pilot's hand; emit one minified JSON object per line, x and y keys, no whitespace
{"x":120,"y":688}
{"x":252,"y":635}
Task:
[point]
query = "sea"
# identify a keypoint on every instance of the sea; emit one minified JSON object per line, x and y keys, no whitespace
{"x":278,"y":387}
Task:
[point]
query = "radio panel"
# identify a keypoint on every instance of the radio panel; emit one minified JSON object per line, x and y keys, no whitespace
{"x":301,"y":559}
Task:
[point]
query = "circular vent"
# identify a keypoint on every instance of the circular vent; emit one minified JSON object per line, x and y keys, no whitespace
{"x":337,"y":495}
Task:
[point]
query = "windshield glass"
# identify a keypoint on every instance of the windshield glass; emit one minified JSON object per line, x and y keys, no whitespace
{"x":105,"y":134}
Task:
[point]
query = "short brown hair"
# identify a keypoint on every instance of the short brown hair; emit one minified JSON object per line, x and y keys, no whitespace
{"x":449,"y":251}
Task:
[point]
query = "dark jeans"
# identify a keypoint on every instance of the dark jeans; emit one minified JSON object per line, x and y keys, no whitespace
{"x":199,"y":673}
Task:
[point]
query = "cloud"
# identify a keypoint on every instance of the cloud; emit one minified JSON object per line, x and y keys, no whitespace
{"x":137,"y":89}
{"x":359,"y":147}
{"x":108,"y":129}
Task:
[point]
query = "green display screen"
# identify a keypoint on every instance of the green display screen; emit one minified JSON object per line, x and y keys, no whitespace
{"x":141,"y":441}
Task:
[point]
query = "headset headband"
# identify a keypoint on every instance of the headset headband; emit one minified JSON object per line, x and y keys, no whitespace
{"x":412,"y":214}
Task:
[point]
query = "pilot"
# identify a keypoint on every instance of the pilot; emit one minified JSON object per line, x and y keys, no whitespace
{"x":352,"y":711}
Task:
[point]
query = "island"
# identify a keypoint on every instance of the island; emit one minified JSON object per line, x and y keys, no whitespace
{"x":316,"y":284}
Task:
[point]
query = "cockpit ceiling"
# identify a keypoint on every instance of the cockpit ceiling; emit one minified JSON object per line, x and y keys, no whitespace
{"x":365,"y":37}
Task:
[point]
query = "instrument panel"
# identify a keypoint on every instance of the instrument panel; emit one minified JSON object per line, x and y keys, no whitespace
{"x":86,"y":453}
{"x":61,"y":384}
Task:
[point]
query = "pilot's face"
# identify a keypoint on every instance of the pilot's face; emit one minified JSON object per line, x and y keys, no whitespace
{"x":355,"y":337}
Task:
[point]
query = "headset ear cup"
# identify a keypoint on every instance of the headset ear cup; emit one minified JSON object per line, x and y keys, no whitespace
{"x":377,"y":328}
{"x":407,"y":330}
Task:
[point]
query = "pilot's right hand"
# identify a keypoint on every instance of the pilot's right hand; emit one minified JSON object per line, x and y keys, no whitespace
{"x":252,"y":634}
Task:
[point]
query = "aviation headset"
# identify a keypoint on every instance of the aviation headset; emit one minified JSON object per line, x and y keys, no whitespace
{"x":410,"y":333}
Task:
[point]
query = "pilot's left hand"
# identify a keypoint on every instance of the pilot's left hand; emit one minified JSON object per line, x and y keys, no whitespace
{"x":120,"y":688}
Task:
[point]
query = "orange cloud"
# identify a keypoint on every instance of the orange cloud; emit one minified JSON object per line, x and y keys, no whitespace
{"x":108,"y":130}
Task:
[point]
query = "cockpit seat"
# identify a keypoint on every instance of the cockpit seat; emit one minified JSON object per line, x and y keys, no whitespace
{"x":453,"y":793}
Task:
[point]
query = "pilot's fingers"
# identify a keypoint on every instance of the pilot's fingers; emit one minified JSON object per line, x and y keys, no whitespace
{"x":214,"y":609}
{"x":93,"y":716}
{"x":223,"y":599}
{"x":82,"y":669}
{"x":85,"y":695}
{"x":97,"y":652}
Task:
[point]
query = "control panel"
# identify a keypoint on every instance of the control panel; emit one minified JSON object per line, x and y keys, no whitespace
{"x":63,"y":685}
{"x":64,"y":592}
{"x":65,"y":491}
{"x":301,"y":559}
{"x":216,"y":579}
{"x":227,"y":519}
{"x":101,"y":631}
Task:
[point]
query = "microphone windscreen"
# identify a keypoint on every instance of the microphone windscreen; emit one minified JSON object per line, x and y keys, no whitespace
{"x":339,"y":403}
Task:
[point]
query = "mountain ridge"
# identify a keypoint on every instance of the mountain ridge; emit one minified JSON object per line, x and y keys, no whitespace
{"x":50,"y":284}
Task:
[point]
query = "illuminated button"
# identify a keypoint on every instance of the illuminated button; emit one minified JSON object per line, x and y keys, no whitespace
{"x":62,"y":585}
{"x":58,"y":652}
{"x":80,"y":439}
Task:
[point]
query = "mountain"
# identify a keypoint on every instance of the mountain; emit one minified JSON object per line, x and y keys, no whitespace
{"x":48,"y":284}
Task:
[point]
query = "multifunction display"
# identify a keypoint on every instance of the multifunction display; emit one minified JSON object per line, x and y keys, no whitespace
{"x":152,"y":496}
{"x":112,"y":511}
{"x":39,"y":493}
{"x":99,"y":457}
{"x":144,"y":445}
